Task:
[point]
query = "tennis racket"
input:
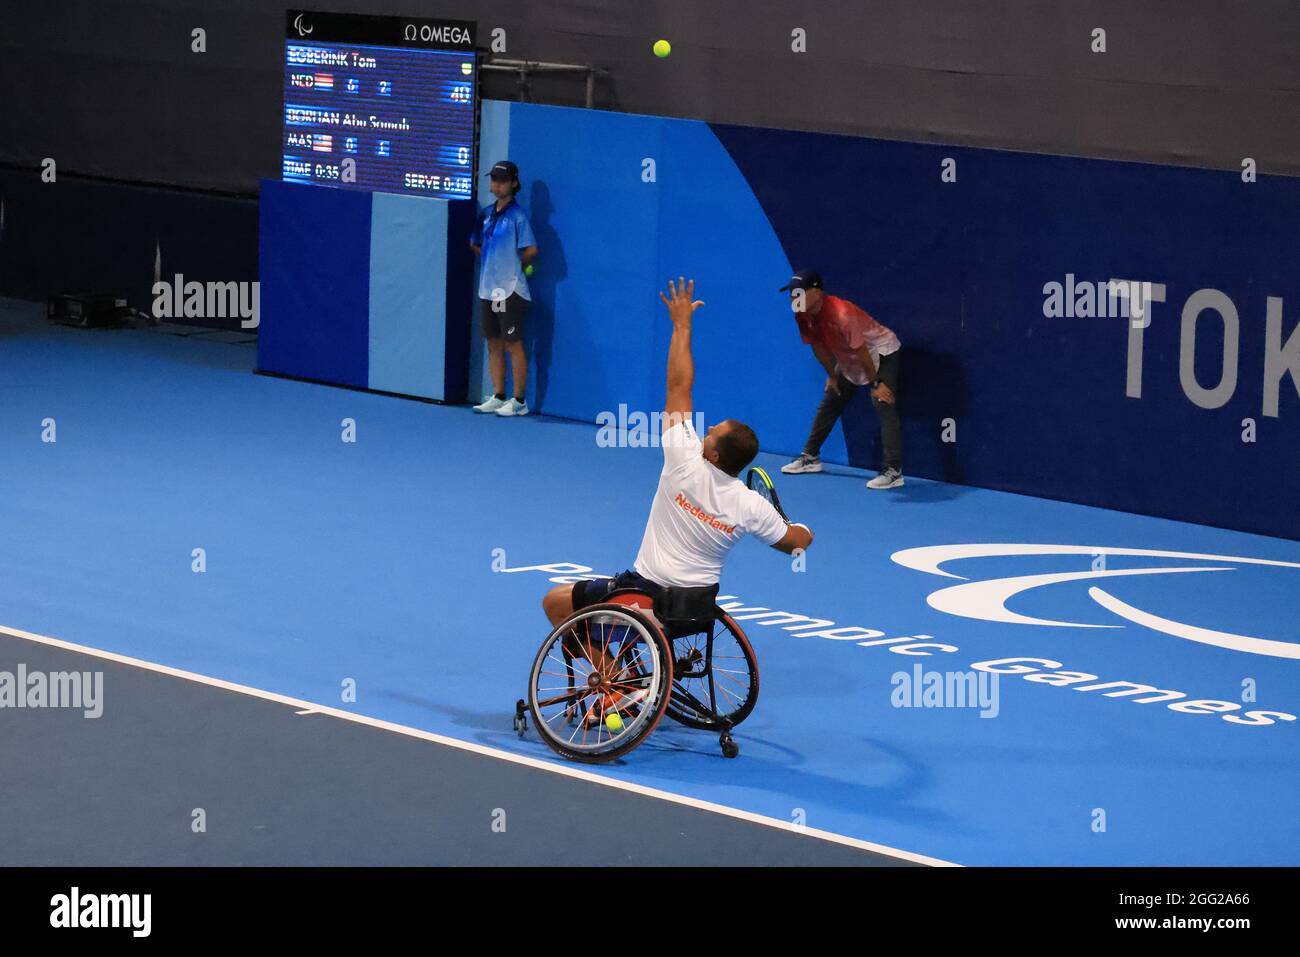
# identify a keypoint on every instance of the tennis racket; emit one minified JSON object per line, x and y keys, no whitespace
{"x":761,"y":482}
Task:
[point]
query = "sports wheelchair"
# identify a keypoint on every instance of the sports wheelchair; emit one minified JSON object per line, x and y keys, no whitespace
{"x":604,"y":678}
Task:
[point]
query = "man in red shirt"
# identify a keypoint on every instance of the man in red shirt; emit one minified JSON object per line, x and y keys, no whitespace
{"x":856,"y":351}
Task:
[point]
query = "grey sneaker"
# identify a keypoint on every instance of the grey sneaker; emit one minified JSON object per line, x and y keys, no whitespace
{"x":490,"y":404}
{"x":804,"y":463}
{"x":889,"y":478}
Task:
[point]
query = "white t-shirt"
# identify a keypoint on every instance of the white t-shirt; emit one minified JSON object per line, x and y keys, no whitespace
{"x":699,"y":513}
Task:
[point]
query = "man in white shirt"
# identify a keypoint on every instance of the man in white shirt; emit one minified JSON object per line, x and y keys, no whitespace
{"x":701,"y":508}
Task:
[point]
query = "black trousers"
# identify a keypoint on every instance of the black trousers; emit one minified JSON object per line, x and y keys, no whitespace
{"x":833,"y":405}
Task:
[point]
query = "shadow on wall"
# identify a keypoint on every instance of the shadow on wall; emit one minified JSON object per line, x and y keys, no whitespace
{"x":932,"y":389}
{"x":550,"y":270}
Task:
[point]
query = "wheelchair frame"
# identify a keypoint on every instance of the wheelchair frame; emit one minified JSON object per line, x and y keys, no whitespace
{"x":682,"y":703}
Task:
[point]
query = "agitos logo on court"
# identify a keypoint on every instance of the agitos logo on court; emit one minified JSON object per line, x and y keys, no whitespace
{"x":986,"y":600}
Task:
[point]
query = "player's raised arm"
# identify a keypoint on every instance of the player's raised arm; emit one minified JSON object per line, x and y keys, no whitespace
{"x":681,"y":366}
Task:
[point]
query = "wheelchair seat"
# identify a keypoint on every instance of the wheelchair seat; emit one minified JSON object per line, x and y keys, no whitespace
{"x":680,"y":609}
{"x":686,"y":610}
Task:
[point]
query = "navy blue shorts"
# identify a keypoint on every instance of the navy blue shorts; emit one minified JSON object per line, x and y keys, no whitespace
{"x":595,"y":590}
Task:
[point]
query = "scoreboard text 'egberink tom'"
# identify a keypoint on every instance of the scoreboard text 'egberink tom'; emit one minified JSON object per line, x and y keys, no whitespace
{"x":382,"y":104}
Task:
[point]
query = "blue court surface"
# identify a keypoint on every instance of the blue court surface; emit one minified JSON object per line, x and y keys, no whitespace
{"x":1145,"y":714}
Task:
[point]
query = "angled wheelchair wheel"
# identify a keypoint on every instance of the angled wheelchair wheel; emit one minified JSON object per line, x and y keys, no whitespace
{"x":600,"y":683}
{"x":715,"y":677}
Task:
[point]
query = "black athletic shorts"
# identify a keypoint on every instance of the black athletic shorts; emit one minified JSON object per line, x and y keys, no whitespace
{"x":508,"y":324}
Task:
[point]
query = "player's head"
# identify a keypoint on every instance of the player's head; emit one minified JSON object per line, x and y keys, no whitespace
{"x":505,"y":179}
{"x":805,"y":289}
{"x":730,"y":445}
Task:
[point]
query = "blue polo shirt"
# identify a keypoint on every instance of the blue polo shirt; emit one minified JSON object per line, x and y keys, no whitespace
{"x":501,"y":236}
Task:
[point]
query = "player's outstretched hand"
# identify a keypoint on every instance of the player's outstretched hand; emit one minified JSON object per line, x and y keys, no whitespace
{"x":681,"y":306}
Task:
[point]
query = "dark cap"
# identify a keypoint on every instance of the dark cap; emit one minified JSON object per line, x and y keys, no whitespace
{"x":504,"y":170}
{"x":803,"y":279}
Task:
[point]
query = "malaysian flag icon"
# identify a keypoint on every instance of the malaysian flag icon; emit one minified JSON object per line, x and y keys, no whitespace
{"x":323,"y":143}
{"x":324,"y":81}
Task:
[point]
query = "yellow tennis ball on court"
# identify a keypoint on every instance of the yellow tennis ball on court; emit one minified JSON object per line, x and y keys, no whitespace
{"x":662,"y":48}
{"x":614,"y":723}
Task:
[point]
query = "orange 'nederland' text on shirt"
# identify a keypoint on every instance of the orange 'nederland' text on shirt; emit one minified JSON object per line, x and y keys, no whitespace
{"x":703,"y":516}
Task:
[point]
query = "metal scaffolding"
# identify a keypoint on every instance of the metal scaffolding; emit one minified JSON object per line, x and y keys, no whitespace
{"x":524,"y":69}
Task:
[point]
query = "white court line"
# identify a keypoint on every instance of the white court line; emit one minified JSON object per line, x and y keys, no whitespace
{"x":549,"y":766}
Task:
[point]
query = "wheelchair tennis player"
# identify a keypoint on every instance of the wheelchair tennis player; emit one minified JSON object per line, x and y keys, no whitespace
{"x":701,"y":508}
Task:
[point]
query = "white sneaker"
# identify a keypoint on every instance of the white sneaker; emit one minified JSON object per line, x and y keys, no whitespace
{"x":513,"y":407}
{"x":490,"y":404}
{"x":889,"y":478}
{"x":804,"y":463}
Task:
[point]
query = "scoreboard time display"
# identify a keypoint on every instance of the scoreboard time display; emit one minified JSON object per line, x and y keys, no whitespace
{"x":381,"y":104}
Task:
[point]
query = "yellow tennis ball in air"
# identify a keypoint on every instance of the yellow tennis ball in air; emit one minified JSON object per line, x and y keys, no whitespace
{"x":614,"y":723}
{"x":528,"y":270}
{"x":662,"y":48}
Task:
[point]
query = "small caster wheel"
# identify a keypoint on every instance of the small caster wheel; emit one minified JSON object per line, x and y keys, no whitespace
{"x":521,"y":718}
{"x":729,"y":746}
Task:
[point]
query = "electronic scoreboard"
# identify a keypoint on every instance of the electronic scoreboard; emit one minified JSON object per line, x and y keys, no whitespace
{"x":386,"y":104}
